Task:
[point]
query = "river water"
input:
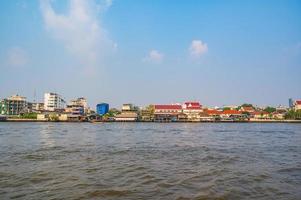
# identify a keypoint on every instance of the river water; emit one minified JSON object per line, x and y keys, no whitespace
{"x":150,"y":161}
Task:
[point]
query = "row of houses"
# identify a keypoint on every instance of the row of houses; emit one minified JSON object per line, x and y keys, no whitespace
{"x":195,"y":112}
{"x":55,"y":108}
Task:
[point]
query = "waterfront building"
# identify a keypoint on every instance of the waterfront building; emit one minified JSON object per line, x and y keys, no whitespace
{"x":167,"y":113}
{"x":230,"y":114}
{"x":129,"y":112}
{"x":278,"y":115}
{"x":37,"y":107}
{"x":102,"y":108}
{"x":13,"y":105}
{"x":147,"y":114}
{"x":206,"y":117}
{"x":248,"y":109}
{"x":56,"y":116}
{"x":75,"y":110}
{"x":261,"y":115}
{"x":77,"y":107}
{"x":53,"y":101}
{"x":297,"y":105}
{"x":126,"y":117}
{"x":80,"y":102}
{"x":192,"y":110}
{"x":213,"y":112}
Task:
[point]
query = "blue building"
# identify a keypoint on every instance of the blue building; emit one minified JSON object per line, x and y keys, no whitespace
{"x":102,"y":108}
{"x":290,"y":103}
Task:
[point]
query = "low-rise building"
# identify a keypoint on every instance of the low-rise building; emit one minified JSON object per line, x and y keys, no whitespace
{"x":129,"y":112}
{"x":13,"y":105}
{"x":297,"y":105}
{"x":260,"y":115}
{"x":248,"y":109}
{"x":278,"y":115}
{"x":102,"y":108}
{"x":167,"y":113}
{"x":213,"y":112}
{"x":146,"y":115}
{"x":206,"y":117}
{"x":56,"y":116}
{"x":231,"y":114}
{"x":80,"y":102}
{"x":192,"y":110}
{"x":75,"y":110}
{"x":126,"y":117}
{"x":37,"y":107}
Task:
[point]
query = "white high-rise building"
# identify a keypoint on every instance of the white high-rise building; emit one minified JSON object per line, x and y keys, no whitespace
{"x":53,"y":101}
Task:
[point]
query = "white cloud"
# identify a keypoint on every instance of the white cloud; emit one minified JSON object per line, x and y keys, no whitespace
{"x":198,"y":48}
{"x":154,"y":56}
{"x":17,"y":57}
{"x":79,"y":30}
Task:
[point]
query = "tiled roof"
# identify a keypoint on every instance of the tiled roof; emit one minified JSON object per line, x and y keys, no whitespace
{"x":213,"y":112}
{"x":193,"y":105}
{"x":168,"y":107}
{"x":298,"y":102}
{"x":260,"y":113}
{"x":231,"y":112}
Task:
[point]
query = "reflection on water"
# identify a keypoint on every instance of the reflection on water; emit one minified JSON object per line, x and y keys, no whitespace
{"x":150,"y":161}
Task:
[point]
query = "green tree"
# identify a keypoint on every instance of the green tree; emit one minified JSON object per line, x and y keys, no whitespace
{"x":270,"y":109}
{"x":53,"y":117}
{"x":29,"y":116}
{"x":247,"y":105}
{"x":293,"y":114}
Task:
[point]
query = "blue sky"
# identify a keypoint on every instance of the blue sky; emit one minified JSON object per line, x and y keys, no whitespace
{"x":152,"y":51}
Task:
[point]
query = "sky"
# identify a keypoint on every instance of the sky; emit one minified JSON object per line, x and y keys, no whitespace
{"x":152,"y":51}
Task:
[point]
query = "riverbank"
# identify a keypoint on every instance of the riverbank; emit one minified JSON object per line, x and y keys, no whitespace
{"x":217,"y":121}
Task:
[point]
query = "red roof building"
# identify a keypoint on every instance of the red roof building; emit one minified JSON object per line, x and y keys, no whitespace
{"x":167,"y":112}
{"x":168,"y":107}
{"x":192,"y":106}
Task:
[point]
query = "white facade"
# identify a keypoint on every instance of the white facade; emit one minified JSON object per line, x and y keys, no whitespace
{"x":53,"y":101}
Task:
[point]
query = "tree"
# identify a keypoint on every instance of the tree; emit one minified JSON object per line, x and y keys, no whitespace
{"x":293,"y":114}
{"x":226,"y":108}
{"x":247,"y":105}
{"x":53,"y":117}
{"x":151,"y":108}
{"x":270,"y":109}
{"x":29,"y":116}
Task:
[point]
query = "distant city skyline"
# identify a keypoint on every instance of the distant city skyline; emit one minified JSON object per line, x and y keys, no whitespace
{"x":148,"y":52}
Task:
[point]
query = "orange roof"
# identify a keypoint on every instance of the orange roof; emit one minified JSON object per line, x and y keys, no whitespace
{"x":231,"y":112}
{"x":260,"y":113}
{"x":213,"y":112}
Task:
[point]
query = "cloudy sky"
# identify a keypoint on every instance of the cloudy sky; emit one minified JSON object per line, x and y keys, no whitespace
{"x":152,"y":51}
